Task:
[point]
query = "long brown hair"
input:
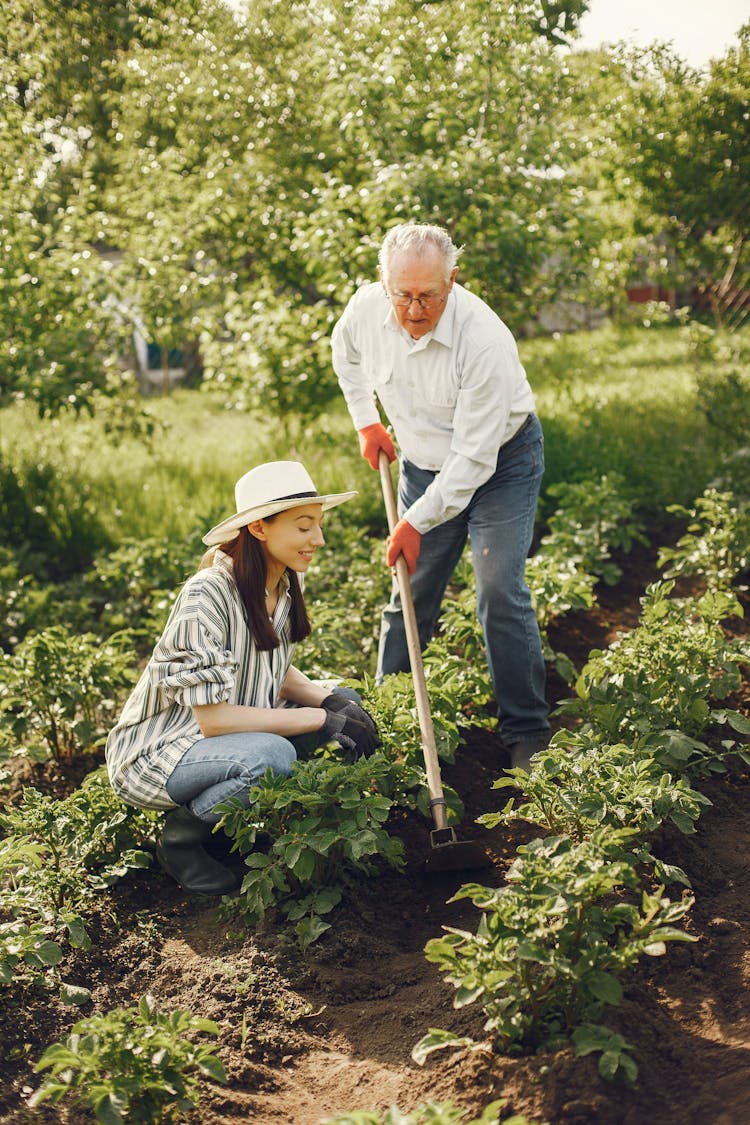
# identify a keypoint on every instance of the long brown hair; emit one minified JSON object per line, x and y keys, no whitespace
{"x":249,"y":565}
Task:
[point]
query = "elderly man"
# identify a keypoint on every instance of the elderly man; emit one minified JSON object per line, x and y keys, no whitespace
{"x":446,"y":371}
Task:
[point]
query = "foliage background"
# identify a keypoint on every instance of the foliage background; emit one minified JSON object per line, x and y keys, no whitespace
{"x":221,"y":177}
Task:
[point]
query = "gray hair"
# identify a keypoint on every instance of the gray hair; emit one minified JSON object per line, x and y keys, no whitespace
{"x":418,"y":238}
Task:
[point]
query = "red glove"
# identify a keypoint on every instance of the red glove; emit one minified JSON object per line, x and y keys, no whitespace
{"x":374,"y":438}
{"x":406,"y":541}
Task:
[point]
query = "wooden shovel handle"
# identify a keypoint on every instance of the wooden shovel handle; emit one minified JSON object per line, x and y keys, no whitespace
{"x":429,"y":746}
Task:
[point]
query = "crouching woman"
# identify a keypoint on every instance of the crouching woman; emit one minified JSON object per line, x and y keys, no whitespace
{"x":210,"y":712}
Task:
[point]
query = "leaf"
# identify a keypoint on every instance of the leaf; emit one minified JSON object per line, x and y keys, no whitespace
{"x":604,"y":986}
{"x":304,"y":866}
{"x":466,"y":996}
{"x":214,"y":1068}
{"x":612,"y":1062}
{"x":79,"y":939}
{"x":669,"y":873}
{"x":590,"y":1037}
{"x":46,"y":953}
{"x":738,"y":722}
{"x":437,"y":1040}
{"x":309,"y":930}
{"x":50,"y":1091}
{"x":74,"y":995}
{"x":655,"y":949}
{"x":110,"y":1109}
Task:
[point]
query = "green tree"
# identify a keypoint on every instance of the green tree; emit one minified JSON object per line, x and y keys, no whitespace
{"x":240,"y":168}
{"x":688,"y":146}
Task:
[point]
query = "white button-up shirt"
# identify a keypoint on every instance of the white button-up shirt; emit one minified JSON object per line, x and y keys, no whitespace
{"x":453,"y":397}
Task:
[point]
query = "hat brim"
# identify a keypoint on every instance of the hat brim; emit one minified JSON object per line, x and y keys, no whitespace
{"x":230,"y":528}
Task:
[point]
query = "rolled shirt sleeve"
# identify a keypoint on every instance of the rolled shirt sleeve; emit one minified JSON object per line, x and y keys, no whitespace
{"x":190,"y":666}
{"x":357,"y":388}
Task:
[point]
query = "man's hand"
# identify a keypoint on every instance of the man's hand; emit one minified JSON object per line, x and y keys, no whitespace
{"x":406,"y":541}
{"x":371,"y":440}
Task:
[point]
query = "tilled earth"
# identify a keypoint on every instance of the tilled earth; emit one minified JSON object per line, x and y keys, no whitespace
{"x":304,"y":1037}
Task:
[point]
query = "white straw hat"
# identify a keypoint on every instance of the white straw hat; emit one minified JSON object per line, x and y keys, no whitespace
{"x":266,"y":490}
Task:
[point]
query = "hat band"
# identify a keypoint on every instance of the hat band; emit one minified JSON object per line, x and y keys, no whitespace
{"x":293,"y":496}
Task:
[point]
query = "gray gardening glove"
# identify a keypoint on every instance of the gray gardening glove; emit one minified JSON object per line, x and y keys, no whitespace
{"x":337,"y":702}
{"x":352,"y":736}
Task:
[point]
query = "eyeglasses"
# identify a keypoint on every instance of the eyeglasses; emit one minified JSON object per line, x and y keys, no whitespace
{"x":403,"y":300}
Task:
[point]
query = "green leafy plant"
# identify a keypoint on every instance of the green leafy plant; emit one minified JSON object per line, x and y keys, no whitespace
{"x":456,"y":658}
{"x":394,"y":707}
{"x":552,"y":944}
{"x":60,"y":691}
{"x":59,"y":855}
{"x":615,"y":1064}
{"x":131,"y":1064}
{"x":723,"y":395}
{"x":593,"y":518}
{"x":24,"y":601}
{"x":579,"y":783}
{"x":322,"y":823}
{"x":346,"y":639}
{"x":26,"y":951}
{"x":716,"y":545}
{"x":664,"y":674}
{"x":432,"y":1113}
{"x":134,"y":586}
{"x":557,"y":586}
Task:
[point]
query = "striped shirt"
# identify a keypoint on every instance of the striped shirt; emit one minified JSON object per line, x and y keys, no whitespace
{"x":205,"y":655}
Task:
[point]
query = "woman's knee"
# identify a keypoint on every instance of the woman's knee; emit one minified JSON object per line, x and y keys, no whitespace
{"x":277,"y":754}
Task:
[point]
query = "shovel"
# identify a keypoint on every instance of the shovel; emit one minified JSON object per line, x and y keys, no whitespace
{"x":446,"y":852}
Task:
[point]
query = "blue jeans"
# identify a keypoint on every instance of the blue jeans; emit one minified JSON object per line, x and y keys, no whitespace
{"x":228,"y":765}
{"x":499,"y":522}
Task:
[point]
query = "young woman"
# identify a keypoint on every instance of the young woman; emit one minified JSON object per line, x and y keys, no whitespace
{"x":210,"y":712}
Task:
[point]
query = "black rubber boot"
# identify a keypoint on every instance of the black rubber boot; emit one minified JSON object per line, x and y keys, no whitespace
{"x":181,"y":853}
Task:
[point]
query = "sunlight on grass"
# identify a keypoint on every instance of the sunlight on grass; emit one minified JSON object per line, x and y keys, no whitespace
{"x":622,"y":398}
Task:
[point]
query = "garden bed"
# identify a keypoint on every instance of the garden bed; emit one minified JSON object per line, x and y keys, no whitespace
{"x":308,"y":1036}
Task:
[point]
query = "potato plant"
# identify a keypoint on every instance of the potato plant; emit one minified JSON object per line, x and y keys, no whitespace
{"x":665,"y":673}
{"x":579,"y":783}
{"x":593,"y":517}
{"x":553,"y":942}
{"x":60,"y":691}
{"x":716,"y":544}
{"x":432,"y":1113}
{"x":131,"y":1064}
{"x":56,"y":860}
{"x":320,"y":825}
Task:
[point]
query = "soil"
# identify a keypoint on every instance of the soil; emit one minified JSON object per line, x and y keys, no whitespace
{"x":305,"y":1037}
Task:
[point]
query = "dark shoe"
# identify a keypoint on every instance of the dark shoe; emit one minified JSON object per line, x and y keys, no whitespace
{"x":522,"y":752}
{"x":181,"y":853}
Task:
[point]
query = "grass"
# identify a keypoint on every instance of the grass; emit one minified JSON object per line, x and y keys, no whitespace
{"x":73,"y":476}
{"x":622,"y":398}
